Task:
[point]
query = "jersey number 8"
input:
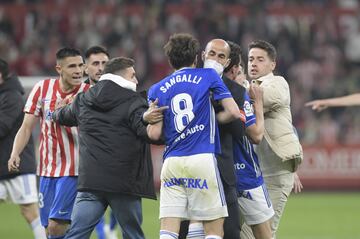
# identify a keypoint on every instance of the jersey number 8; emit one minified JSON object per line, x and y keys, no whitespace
{"x":182,"y":107}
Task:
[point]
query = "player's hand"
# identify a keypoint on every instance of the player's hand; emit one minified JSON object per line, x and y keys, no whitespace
{"x":256,"y":92}
{"x":64,"y":102}
{"x":155,"y":113}
{"x":14,"y":164}
{"x":318,"y":105}
{"x":297,"y":184}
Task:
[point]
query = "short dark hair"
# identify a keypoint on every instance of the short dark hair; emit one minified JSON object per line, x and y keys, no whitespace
{"x":235,"y":55}
{"x":96,"y":50}
{"x":181,"y":50}
{"x":266,"y":46}
{"x":117,"y":64}
{"x":4,"y":69}
{"x":67,"y":52}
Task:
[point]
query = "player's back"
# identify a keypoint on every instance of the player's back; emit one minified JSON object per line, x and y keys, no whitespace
{"x":189,"y":123}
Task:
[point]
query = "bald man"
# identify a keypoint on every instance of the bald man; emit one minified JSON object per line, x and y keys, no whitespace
{"x":217,"y":56}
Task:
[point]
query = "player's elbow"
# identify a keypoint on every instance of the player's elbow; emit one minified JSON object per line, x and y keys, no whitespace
{"x":257,"y":139}
{"x":255,"y":135}
{"x":233,"y":111}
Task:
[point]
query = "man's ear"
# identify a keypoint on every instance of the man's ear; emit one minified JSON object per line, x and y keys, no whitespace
{"x":227,"y":63}
{"x":273,"y":65}
{"x":58,"y":69}
{"x":203,"y":56}
{"x":86,"y":69}
{"x":195,"y":61}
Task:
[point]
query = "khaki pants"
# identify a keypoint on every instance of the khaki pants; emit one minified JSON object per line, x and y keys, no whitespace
{"x":279,"y":188}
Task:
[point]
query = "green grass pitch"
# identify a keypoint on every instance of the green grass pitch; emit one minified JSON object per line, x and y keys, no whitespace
{"x":307,"y":216}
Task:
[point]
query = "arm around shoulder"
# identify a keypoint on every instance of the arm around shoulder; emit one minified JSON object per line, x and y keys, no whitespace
{"x":231,"y":111}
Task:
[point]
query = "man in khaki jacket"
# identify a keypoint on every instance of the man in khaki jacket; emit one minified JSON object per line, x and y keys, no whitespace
{"x":280,"y":151}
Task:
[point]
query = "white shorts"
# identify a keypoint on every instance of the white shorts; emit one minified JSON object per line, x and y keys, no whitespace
{"x":191,"y":188}
{"x":255,"y":205}
{"x":20,"y":190}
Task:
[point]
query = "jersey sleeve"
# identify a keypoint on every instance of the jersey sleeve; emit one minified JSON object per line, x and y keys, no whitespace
{"x":151,"y":95}
{"x":33,"y":103}
{"x":249,"y":111}
{"x":219,"y":89}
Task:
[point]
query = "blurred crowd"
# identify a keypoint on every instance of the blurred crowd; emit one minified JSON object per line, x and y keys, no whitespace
{"x":318,"y":43}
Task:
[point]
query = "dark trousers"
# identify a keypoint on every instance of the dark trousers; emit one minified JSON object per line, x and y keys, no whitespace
{"x":89,"y":207}
{"x":232,"y":222}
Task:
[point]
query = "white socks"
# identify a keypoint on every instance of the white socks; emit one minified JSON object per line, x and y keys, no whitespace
{"x":168,"y":235}
{"x":213,"y":237}
{"x":38,"y":229}
{"x":196,"y":231}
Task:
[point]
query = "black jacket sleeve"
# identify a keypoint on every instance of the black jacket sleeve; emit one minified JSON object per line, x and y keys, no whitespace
{"x":135,"y":116}
{"x":10,"y":109}
{"x":67,"y":114}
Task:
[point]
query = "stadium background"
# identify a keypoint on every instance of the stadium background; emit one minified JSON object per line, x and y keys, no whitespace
{"x":318,"y":44}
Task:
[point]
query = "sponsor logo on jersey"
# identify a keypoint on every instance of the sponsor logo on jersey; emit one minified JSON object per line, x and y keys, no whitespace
{"x":187,"y":183}
{"x":248,"y":109}
{"x":239,"y":166}
{"x":193,"y":130}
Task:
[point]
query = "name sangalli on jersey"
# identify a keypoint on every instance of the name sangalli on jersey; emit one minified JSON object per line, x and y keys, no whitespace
{"x":180,"y":78}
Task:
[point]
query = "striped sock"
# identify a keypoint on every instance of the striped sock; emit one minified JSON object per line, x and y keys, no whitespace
{"x":168,"y":235}
{"x":56,"y":237}
{"x":196,"y":231}
{"x":213,"y":237}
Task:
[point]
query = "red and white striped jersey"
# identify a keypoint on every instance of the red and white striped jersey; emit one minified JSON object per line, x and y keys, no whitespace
{"x":59,"y":147}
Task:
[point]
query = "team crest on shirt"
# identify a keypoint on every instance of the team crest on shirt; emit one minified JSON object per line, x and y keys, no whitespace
{"x":48,"y":114}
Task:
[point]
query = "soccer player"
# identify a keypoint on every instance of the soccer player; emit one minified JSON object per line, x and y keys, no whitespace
{"x":216,"y":56}
{"x":190,"y":183}
{"x":59,"y":152}
{"x":19,"y":187}
{"x":279,"y":151}
{"x":253,"y":199}
{"x":95,"y":60}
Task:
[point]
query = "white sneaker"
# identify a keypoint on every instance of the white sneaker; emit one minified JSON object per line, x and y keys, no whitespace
{"x":110,"y":234}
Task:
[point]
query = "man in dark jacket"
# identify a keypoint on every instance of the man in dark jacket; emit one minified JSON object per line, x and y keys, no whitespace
{"x":115,"y":162}
{"x":20,"y":187}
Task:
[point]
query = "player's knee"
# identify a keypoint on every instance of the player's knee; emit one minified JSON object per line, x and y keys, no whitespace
{"x":29,"y":212}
